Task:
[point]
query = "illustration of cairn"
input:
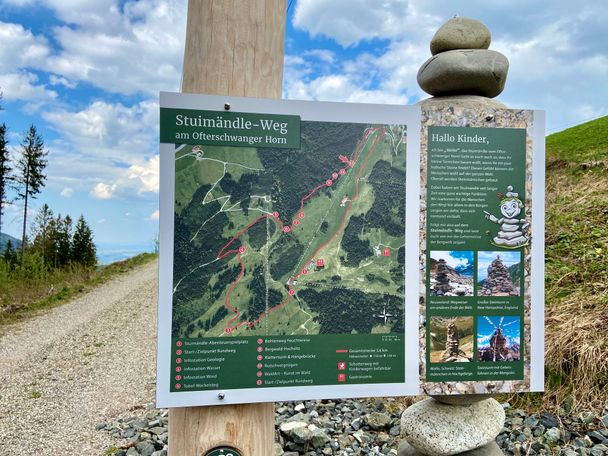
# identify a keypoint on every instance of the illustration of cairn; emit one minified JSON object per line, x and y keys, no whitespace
{"x":498,"y":282}
{"x":512,"y":232}
{"x":452,"y":352}
{"x":442,"y":285}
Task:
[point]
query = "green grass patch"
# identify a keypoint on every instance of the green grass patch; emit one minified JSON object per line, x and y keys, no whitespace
{"x":35,"y":394}
{"x":23,"y":293}
{"x":580,"y":144}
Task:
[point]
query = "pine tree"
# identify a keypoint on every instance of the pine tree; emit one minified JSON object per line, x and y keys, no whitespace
{"x":30,"y":166}
{"x":6,"y":177}
{"x":9,"y":256}
{"x":43,"y":234}
{"x":63,"y":240}
{"x":83,"y":248}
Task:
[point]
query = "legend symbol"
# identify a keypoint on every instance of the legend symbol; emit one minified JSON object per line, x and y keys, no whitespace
{"x":341,"y":377}
{"x":341,"y":365}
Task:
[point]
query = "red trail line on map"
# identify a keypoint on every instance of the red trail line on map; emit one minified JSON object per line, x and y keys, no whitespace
{"x":223,"y":253}
{"x":367,"y":157}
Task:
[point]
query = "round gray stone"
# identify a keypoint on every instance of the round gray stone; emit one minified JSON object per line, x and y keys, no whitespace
{"x":464,"y":72}
{"x":491,"y":449}
{"x":461,"y":33}
{"x":461,"y":399}
{"x":443,"y":430}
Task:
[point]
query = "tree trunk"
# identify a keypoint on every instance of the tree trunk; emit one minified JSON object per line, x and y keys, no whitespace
{"x":232,"y":48}
{"x":27,"y":189}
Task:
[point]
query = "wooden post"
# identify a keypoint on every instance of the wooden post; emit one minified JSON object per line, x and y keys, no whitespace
{"x":232,"y":48}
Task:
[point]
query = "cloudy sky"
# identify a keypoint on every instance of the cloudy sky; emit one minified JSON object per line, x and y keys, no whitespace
{"x":87,"y":73}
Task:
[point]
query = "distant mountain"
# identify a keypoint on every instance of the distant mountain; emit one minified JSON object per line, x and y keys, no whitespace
{"x":515,"y":273}
{"x":465,"y":270}
{"x":4,"y":238}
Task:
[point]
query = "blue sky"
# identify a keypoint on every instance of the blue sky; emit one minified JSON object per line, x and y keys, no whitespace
{"x":510,"y":329}
{"x":87,"y":73}
{"x":457,"y":259}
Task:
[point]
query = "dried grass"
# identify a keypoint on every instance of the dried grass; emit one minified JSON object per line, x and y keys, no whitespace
{"x":576,"y":323}
{"x":577,"y":352}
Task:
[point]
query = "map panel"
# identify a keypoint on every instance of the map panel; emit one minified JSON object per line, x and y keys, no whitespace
{"x":291,"y":242}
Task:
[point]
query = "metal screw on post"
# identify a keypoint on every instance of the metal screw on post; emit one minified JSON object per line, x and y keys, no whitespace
{"x":221,"y":396}
{"x":227,"y":106}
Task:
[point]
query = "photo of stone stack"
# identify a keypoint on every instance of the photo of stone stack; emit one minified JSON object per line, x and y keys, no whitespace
{"x":498,"y":282}
{"x":447,"y":281}
{"x":442,"y":284}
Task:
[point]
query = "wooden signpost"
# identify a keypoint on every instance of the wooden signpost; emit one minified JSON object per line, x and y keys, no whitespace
{"x":233,"y":48}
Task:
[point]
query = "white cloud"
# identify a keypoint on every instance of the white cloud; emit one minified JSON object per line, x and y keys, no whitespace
{"x":350,"y":21}
{"x":60,"y":80}
{"x":324,"y":55}
{"x":103,"y":191}
{"x":67,"y":192}
{"x":114,"y":132}
{"x":147,"y":174}
{"x":109,"y":150}
{"x":138,"y":49}
{"x":134,"y":48}
{"x":451,"y":261}
{"x":557,"y":56}
{"x":23,"y":86}
{"x":84,"y":12}
{"x":19,"y":48}
{"x":100,"y":221}
{"x":154,"y":215}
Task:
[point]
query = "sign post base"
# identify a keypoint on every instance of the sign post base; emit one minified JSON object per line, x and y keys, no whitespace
{"x":196,"y":431}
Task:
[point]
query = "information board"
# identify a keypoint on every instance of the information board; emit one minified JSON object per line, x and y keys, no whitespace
{"x":290,"y":240}
{"x":283,"y":246}
{"x":482,"y":251}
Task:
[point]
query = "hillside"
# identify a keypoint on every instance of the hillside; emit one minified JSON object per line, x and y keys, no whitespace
{"x":4,"y":238}
{"x":576,"y":258}
{"x":585,"y":142}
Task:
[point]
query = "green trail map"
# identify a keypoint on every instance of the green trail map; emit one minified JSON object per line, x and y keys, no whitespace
{"x":293,"y":242}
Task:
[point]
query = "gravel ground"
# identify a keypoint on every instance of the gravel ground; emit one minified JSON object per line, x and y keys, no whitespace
{"x":80,"y":379}
{"x":76,"y":365}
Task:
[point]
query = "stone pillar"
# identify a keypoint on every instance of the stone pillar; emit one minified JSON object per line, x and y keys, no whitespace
{"x":462,"y":72}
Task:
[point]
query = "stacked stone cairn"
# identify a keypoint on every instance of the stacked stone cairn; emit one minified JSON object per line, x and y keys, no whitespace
{"x":498,"y":282}
{"x":452,"y":352}
{"x":462,"y":64}
{"x":442,"y":282}
{"x":462,"y":72}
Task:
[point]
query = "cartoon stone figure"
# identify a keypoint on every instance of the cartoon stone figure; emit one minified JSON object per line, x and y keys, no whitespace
{"x":513,"y":230}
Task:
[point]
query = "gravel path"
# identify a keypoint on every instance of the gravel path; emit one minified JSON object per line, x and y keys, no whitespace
{"x":84,"y":362}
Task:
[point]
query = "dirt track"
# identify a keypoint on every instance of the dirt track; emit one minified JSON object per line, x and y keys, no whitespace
{"x":77,"y":365}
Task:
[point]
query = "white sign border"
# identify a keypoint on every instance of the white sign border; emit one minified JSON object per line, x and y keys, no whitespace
{"x":313,"y":111}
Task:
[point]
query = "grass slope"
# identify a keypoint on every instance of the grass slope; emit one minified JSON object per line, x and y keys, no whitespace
{"x":576,"y":266}
{"x":585,"y":142}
